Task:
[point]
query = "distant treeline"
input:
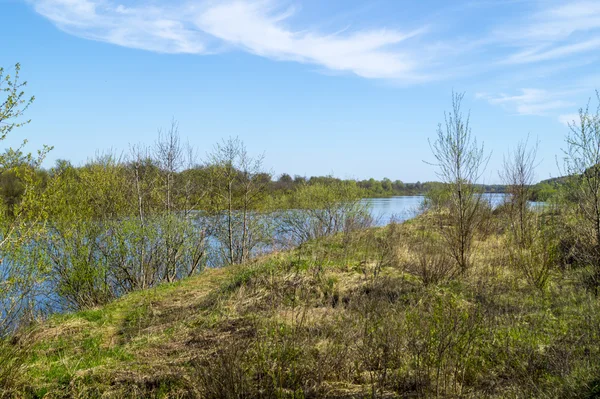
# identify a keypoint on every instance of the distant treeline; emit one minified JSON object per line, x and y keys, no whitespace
{"x":12,"y":188}
{"x":455,"y":304}
{"x":371,"y":187}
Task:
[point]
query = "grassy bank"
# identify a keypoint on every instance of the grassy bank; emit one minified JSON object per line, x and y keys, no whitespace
{"x":368,"y":314}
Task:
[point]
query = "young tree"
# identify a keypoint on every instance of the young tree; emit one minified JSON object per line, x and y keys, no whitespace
{"x":120,"y":226}
{"x":460,"y":162}
{"x":518,"y":175}
{"x":532,"y":248}
{"x":82,"y":203}
{"x":581,"y":165}
{"x":236,"y":188}
{"x":15,"y":103}
{"x":169,"y":154}
{"x":21,"y":219}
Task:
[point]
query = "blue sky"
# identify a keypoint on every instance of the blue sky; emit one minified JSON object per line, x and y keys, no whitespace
{"x":348,"y":87}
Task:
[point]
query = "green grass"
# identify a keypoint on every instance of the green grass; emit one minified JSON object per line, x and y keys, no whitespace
{"x":319,"y":321}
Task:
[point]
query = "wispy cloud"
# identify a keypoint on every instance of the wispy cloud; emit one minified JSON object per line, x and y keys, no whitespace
{"x":553,"y":32}
{"x":547,"y":45}
{"x":562,"y":20}
{"x":529,"y":102}
{"x":567,"y":119}
{"x":147,"y":27}
{"x":543,"y":53}
{"x":257,"y":26}
{"x":548,"y":38}
{"x":260,"y":30}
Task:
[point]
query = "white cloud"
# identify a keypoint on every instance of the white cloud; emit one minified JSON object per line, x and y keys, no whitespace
{"x":529,"y":102}
{"x":541,"y":54}
{"x":554,"y":32}
{"x":260,"y":31}
{"x":255,"y":26}
{"x":550,"y":37}
{"x":567,"y":119}
{"x":146,"y":28}
{"x":551,"y":23}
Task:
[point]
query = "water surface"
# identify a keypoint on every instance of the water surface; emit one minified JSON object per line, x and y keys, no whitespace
{"x":399,"y":208}
{"x":407,"y":207}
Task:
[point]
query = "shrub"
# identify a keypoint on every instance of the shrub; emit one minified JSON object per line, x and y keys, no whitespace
{"x":430,"y":259}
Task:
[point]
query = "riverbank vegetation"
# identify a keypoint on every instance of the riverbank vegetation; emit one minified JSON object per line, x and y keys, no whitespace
{"x":376,"y":313}
{"x":276,"y":187}
{"x":153,"y":274}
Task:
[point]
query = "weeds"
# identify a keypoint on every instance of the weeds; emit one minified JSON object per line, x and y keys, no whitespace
{"x":13,"y":362}
{"x":375,"y":313}
{"x":430,"y":261}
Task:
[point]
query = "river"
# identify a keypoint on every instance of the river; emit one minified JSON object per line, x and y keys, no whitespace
{"x":383,"y":210}
{"x":407,"y":207}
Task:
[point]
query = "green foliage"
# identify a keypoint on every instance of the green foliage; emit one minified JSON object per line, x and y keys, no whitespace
{"x":21,"y":210}
{"x":14,"y":104}
{"x":460,"y":163}
{"x":319,"y":210}
{"x":285,"y":326}
{"x":437,"y":196}
{"x":351,"y":312}
{"x":108,"y":236}
{"x":543,"y":192}
{"x":237,"y":189}
{"x":13,"y":357}
{"x":537,"y":257}
{"x":581,"y":191}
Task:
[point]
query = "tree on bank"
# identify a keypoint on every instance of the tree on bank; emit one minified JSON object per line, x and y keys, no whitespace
{"x":582,"y":166}
{"x":22,"y":218}
{"x":531,"y":243}
{"x":518,"y":175}
{"x":237,"y":187}
{"x":460,"y":161}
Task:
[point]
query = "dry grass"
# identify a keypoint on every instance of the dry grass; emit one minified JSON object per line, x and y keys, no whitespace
{"x":343,"y":318}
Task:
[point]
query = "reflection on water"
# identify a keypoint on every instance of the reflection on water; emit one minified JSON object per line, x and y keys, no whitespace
{"x":401,"y":208}
{"x":45,"y":299}
{"x":407,"y":207}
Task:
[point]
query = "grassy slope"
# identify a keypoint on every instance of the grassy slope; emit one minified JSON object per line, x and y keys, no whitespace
{"x":320,"y":321}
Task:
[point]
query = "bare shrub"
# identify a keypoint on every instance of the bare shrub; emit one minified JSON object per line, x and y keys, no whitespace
{"x":442,"y":342}
{"x":430,"y":259}
{"x":460,"y":162}
{"x":237,"y":188}
{"x":227,"y":374}
{"x":581,"y":160}
{"x":535,"y":258}
{"x":389,"y":244}
{"x":379,"y":344}
{"x":374,"y":249}
{"x":518,"y":175}
{"x":319,"y":210}
{"x":289,"y":356}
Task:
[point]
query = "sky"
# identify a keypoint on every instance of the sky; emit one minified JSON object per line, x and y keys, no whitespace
{"x":343,"y":87}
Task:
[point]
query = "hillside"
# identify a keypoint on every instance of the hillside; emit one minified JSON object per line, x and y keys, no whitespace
{"x":349,"y":317}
